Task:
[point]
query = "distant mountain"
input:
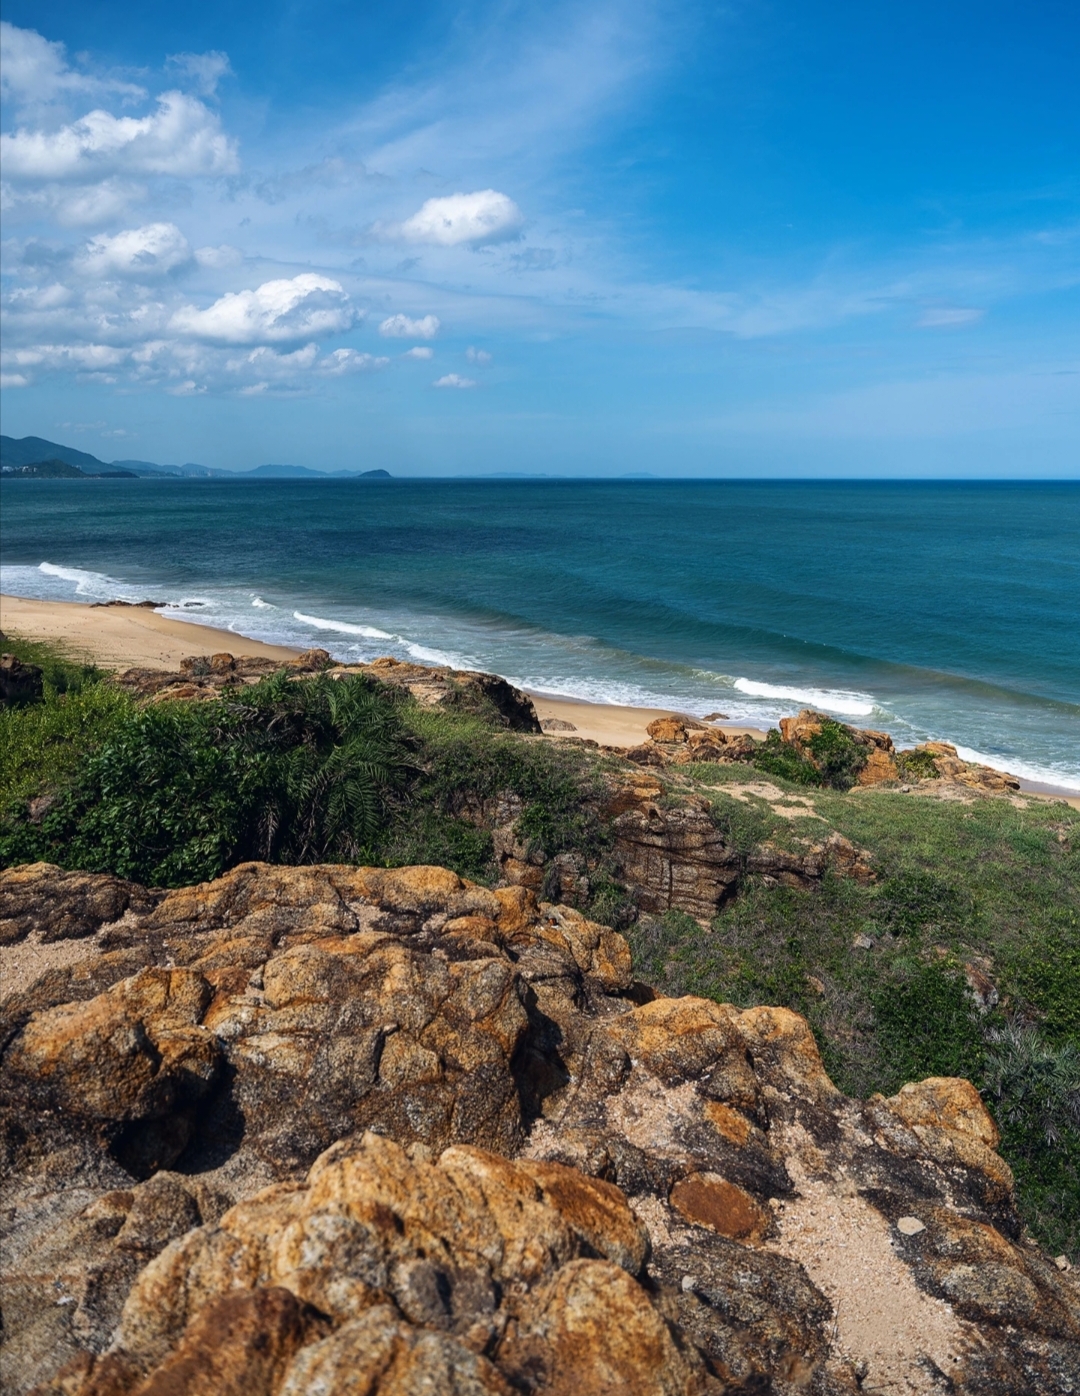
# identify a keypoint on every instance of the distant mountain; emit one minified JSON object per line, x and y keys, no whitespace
{"x":304,"y":472}
{"x":61,"y":470}
{"x":18,"y":452}
{"x":31,"y":450}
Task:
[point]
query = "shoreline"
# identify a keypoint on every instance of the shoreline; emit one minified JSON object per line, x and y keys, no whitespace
{"x":123,"y":637}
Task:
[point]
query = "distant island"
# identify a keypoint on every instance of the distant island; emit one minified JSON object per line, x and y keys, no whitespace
{"x":34,"y":458}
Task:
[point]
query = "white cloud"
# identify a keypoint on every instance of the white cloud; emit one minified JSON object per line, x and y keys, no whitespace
{"x":477,"y":356}
{"x":948,"y":317}
{"x":268,"y":361}
{"x":343,"y":361}
{"x":182,"y":138}
{"x":75,"y":206}
{"x":204,"y":69}
{"x":153,"y":250}
{"x":482,"y":217}
{"x":13,"y":380}
{"x":401,"y":327}
{"x":88,"y":357}
{"x":218,"y":257}
{"x":275,"y":312}
{"x":34,"y":69}
{"x":453,"y":380}
{"x":418,"y":351}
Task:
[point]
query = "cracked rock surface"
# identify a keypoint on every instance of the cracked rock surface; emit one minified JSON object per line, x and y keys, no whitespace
{"x":354,"y":1130}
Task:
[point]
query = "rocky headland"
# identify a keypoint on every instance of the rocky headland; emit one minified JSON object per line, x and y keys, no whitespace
{"x":353,"y":1130}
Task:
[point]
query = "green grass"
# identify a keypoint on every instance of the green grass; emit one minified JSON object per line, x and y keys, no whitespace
{"x":957,"y":883}
{"x":42,"y":744}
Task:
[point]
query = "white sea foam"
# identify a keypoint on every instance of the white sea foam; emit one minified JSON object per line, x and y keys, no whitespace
{"x":262,"y":605}
{"x":368,"y":632}
{"x":49,"y":581}
{"x":831,"y":700}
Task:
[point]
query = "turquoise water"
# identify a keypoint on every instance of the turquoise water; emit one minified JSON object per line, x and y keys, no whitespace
{"x":945,"y":611}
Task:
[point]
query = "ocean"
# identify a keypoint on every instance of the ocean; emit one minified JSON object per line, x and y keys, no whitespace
{"x":945,"y":611}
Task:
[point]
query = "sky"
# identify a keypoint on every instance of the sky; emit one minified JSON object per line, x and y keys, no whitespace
{"x":781,"y":238}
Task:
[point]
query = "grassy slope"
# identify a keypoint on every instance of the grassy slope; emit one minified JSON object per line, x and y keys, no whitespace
{"x":982,"y":883}
{"x":958,"y":884}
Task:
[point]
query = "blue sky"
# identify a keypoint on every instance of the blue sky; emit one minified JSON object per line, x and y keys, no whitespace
{"x":681,"y":238}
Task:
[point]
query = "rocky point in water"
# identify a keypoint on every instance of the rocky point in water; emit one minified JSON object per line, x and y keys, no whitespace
{"x":384,"y":1131}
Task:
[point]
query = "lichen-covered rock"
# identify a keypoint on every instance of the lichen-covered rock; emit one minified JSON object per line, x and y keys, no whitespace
{"x":350,"y":1130}
{"x":59,"y":905}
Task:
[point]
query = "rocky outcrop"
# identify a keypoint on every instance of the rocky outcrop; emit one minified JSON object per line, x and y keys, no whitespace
{"x":460,"y":688}
{"x":678,"y":741}
{"x":382,"y":1130}
{"x":19,"y":682}
{"x":668,"y":851}
{"x":939,"y":761}
{"x":206,"y":676}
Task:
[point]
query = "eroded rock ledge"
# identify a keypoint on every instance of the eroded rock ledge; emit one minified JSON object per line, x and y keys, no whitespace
{"x":353,"y":1130}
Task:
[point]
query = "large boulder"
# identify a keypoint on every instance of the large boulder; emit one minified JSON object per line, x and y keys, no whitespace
{"x":362,"y":1129}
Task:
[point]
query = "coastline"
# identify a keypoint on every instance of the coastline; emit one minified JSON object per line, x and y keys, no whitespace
{"x":123,"y":637}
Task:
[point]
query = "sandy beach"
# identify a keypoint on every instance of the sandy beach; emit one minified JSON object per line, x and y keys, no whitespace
{"x":125,"y":637}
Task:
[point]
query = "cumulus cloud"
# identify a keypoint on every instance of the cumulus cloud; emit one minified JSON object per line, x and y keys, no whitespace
{"x":477,"y":356}
{"x":453,"y":380}
{"x":205,"y":70}
{"x":153,"y":250}
{"x":275,"y":312}
{"x":181,"y":137}
{"x":418,"y":351}
{"x":343,"y":361}
{"x":34,"y":69}
{"x":401,"y":327}
{"x":481,"y":217}
{"x":948,"y":317}
{"x":13,"y":380}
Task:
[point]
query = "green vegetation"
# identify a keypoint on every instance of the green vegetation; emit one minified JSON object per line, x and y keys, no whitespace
{"x":837,"y":758}
{"x":60,"y":672}
{"x":286,"y":770}
{"x":983,"y":885}
{"x":984,"y":893}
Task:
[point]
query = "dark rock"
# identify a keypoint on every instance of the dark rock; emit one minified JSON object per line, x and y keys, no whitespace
{"x":19,"y":682}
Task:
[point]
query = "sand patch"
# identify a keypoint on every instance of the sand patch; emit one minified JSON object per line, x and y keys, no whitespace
{"x":882,"y":1320}
{"x":29,"y":959}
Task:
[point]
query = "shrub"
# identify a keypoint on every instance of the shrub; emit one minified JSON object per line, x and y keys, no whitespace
{"x":837,"y":755}
{"x":1033,"y":1090}
{"x":916,"y":765}
{"x":291,"y":771}
{"x":776,"y":758}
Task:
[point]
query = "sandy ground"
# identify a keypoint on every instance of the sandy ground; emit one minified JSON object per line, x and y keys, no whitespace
{"x":611,"y":725}
{"x":882,"y":1319}
{"x":123,"y":637}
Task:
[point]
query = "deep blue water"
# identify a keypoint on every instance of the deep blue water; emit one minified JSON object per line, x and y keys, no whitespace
{"x":931,"y":610}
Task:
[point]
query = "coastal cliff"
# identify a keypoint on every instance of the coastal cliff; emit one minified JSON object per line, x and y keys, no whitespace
{"x":386,"y":1130}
